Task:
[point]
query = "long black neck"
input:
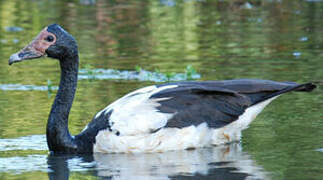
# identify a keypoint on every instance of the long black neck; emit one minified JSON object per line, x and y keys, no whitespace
{"x":58,"y":137}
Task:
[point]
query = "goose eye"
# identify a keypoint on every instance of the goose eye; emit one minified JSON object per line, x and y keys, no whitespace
{"x":49,"y":38}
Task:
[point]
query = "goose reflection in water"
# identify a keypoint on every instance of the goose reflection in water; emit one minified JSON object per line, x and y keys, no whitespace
{"x":221,"y":162}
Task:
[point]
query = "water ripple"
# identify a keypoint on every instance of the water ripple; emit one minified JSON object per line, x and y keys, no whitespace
{"x":33,"y":142}
{"x":21,"y":87}
{"x":20,"y":164}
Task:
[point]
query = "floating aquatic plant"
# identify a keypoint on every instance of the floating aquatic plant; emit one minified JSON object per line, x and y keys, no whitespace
{"x":138,"y":68}
{"x":138,"y":74}
{"x":190,"y":72}
{"x":89,"y":73}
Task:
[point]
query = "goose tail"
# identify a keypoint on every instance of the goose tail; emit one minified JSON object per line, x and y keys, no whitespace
{"x":306,"y":87}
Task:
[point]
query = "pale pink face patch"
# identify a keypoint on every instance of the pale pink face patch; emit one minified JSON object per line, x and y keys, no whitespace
{"x":41,"y":42}
{"x":37,"y":48}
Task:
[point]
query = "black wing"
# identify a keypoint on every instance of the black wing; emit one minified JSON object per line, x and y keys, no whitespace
{"x":218,"y":103}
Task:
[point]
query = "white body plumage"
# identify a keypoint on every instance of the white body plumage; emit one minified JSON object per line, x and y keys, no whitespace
{"x":135,"y":117}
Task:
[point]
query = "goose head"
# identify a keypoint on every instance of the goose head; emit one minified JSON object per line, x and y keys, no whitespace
{"x":53,"y":41}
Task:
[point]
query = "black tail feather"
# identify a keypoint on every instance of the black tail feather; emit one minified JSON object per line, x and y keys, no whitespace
{"x":307,"y":87}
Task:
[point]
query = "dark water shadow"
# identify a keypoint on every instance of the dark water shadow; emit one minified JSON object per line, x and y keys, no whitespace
{"x":223,"y":162}
{"x":60,"y":166}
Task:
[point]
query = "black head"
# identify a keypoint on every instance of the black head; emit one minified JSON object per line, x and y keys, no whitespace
{"x":65,"y":43}
{"x":52,"y":41}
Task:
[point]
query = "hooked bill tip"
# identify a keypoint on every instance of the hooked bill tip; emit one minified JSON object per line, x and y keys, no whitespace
{"x":14,"y":58}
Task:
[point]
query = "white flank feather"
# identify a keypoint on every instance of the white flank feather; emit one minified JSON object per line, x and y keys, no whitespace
{"x":136,"y":114}
{"x":163,"y":140}
{"x":232,"y":132}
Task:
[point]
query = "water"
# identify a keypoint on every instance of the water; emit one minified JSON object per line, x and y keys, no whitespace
{"x":278,"y":40}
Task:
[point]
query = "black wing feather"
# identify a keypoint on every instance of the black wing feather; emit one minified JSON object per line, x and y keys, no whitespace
{"x":218,"y":103}
{"x":198,"y":103}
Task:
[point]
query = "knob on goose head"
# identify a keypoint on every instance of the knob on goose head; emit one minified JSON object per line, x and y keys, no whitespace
{"x":52,"y":41}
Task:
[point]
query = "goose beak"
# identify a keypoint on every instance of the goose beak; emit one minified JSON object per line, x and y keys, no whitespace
{"x":14,"y":58}
{"x":23,"y":55}
{"x":35,"y":49}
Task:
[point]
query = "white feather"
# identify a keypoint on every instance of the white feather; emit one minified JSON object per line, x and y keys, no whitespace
{"x":163,"y":140}
{"x":136,"y":114}
{"x":168,"y":139}
{"x":232,"y":132}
